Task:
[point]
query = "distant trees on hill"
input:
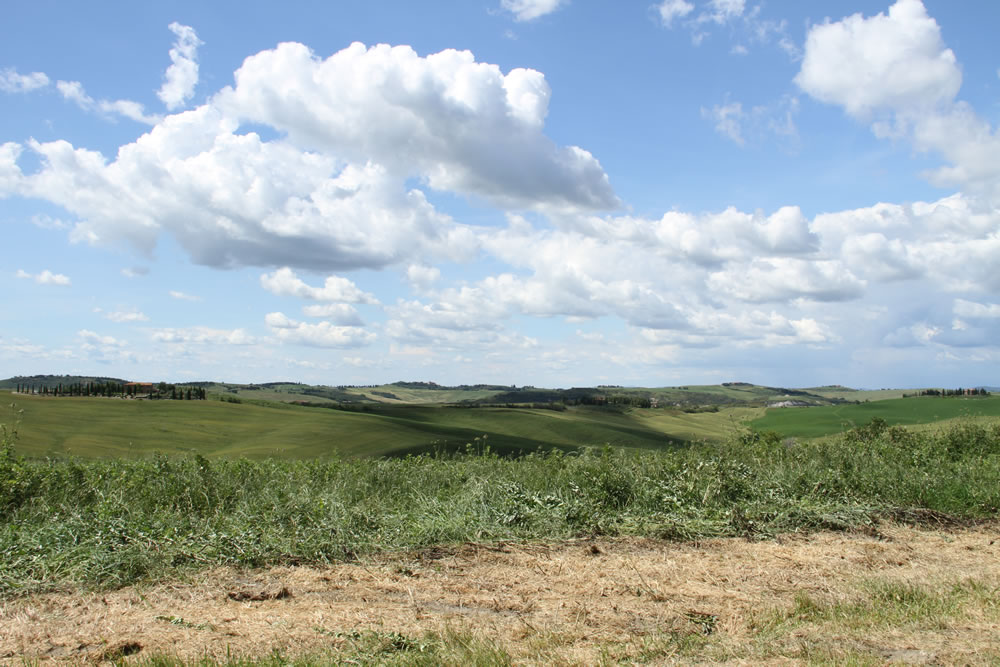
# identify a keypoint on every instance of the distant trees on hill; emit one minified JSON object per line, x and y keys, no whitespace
{"x":116,"y":389}
{"x":950,"y":392}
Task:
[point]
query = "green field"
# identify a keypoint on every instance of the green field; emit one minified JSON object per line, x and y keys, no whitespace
{"x":105,"y":427}
{"x":828,"y":420}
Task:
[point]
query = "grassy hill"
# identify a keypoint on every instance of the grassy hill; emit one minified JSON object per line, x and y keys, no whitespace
{"x":429,"y":393}
{"x":822,"y":421}
{"x":294,"y":420}
{"x":114,"y":427}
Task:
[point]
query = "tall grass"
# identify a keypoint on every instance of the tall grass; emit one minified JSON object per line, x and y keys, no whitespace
{"x":106,"y":523}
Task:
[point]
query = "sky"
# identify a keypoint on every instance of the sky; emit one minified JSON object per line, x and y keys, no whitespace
{"x":533,"y":192}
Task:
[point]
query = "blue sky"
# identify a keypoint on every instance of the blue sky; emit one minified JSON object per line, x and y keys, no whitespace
{"x":535,"y":192}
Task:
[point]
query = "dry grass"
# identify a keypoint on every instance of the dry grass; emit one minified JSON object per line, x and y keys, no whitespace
{"x":899,"y":595}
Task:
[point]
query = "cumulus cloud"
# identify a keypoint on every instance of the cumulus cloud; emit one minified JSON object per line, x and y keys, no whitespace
{"x":529,"y":10}
{"x":46,"y":277}
{"x":12,"y":82}
{"x":896,"y":61}
{"x":182,"y":75}
{"x":284,"y":282}
{"x":321,"y":334}
{"x":462,"y":125}
{"x":374,"y":119}
{"x":895,"y":70}
{"x":181,"y":296}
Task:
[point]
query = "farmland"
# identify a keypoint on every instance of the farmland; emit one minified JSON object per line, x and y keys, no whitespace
{"x":828,"y":420}
{"x":111,"y":427}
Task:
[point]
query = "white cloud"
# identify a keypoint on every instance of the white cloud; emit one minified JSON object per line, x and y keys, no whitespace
{"x":105,"y":349}
{"x":895,"y":62}
{"x":744,"y":26}
{"x":48,"y":222}
{"x":754,"y":125}
{"x":92,"y":338}
{"x":784,"y":279}
{"x":284,"y":282}
{"x":128,"y":109}
{"x":722,"y":11}
{"x":46,"y":277}
{"x":376,"y":118}
{"x":742,"y":329}
{"x":135,"y":271}
{"x":529,"y":10}
{"x":728,"y":119}
{"x":422,"y":277}
{"x":74,"y":92}
{"x":122,"y":316}
{"x":321,"y":334}
{"x":182,"y":75}
{"x":202,"y":335}
{"x":462,"y":125}
{"x":673,"y":9}
{"x":181,"y":296}
{"x":973,"y":310}
{"x":896,"y":71}
{"x":340,"y":314}
{"x":12,"y":82}
{"x":11,"y":178}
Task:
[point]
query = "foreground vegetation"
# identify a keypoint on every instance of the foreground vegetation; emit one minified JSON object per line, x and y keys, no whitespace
{"x":110,"y":522}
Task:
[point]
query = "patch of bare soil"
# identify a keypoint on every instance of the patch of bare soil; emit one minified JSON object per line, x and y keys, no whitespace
{"x":573,"y":603}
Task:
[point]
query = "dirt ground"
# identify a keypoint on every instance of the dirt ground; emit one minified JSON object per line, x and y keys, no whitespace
{"x":797,"y":599}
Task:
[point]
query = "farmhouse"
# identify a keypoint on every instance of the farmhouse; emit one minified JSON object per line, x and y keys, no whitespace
{"x":136,"y":388}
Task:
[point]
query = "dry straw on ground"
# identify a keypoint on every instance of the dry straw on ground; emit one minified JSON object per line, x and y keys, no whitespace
{"x":793,"y":600}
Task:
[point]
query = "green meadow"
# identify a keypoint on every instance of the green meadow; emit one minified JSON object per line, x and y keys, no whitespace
{"x":822,"y":421}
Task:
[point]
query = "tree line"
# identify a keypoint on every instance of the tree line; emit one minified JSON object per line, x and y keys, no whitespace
{"x":116,"y":389}
{"x":979,"y":391}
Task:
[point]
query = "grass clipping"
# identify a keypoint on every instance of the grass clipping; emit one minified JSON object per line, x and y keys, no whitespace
{"x":897,"y":595}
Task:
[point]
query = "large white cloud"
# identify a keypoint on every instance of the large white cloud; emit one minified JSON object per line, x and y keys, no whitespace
{"x":232,"y":199}
{"x":896,"y":70}
{"x":896,"y":61}
{"x":462,"y":125}
{"x":332,"y":194}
